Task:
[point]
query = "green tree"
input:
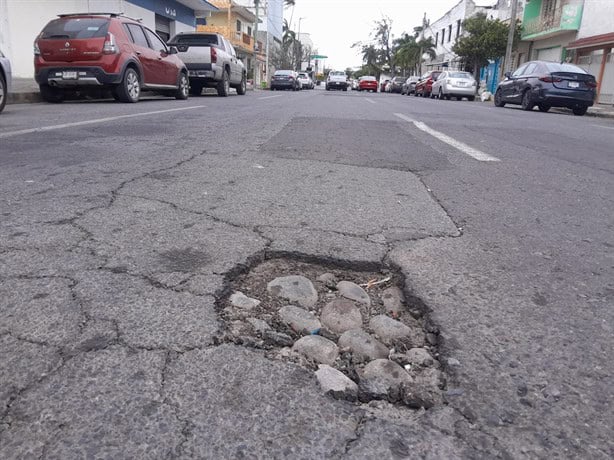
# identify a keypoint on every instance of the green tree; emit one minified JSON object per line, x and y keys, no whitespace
{"x":408,"y":52}
{"x":486,"y":40}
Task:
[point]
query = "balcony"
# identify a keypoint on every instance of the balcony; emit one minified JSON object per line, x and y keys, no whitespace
{"x":563,"y":19}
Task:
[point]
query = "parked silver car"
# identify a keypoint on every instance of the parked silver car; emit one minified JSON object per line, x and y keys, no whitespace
{"x":5,"y":80}
{"x":454,"y":83}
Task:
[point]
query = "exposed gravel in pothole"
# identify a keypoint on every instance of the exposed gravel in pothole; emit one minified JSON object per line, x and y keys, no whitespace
{"x":354,"y":329}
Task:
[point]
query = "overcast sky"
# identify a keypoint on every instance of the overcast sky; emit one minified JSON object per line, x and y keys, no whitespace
{"x":335,"y":25}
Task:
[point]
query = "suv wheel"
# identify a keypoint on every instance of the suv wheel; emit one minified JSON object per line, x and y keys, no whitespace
{"x":129,"y":90}
{"x":223,"y":87}
{"x":499,"y":99}
{"x":183,"y":87}
{"x":242,"y":88}
{"x":3,"y":93}
{"x":579,"y":111}
{"x":526,"y":103}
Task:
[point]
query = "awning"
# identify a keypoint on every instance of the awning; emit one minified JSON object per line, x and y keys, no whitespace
{"x":198,"y":5}
{"x":592,"y":42}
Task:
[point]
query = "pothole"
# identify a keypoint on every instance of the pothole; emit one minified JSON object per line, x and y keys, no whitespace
{"x":355,"y":329}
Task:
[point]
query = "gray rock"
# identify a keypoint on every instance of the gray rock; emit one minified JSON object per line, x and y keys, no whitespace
{"x":336,"y":383}
{"x":329,"y":280}
{"x":419,"y":357}
{"x":353,"y":291}
{"x":388,"y":329}
{"x":240,"y":300}
{"x":431,"y":377}
{"x":425,"y":390}
{"x":259,"y":325}
{"x":453,"y":362}
{"x":278,"y":338}
{"x":382,"y":379}
{"x":393,"y":300}
{"x":317,"y":348}
{"x":296,"y":288}
{"x":341,"y":315}
{"x":363,"y":346}
{"x":299,"y":319}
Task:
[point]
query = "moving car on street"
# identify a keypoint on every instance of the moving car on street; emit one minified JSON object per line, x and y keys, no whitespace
{"x":285,"y":79}
{"x":367,"y":83}
{"x":409,"y":86}
{"x":424,"y":87}
{"x":212,"y":62}
{"x":454,"y":83}
{"x":106,"y":50}
{"x":547,"y":84}
{"x":305,"y":80}
{"x":5,"y":80}
{"x":337,"y":80}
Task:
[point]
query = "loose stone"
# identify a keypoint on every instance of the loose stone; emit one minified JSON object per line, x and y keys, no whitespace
{"x":317,"y":348}
{"x":425,"y":390}
{"x":388,"y":329}
{"x":278,"y":338}
{"x":240,"y":300}
{"x":419,"y":357}
{"x":382,"y":379}
{"x":353,"y":291}
{"x":329,"y":280}
{"x":336,"y":383}
{"x":299,"y":319}
{"x":364,"y":347}
{"x":393,"y":300}
{"x":341,"y":315}
{"x":296,"y":289}
{"x":453,"y":362}
{"x":259,"y":325}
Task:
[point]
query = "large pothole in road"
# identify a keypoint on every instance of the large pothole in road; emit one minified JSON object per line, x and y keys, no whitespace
{"x":355,"y":329}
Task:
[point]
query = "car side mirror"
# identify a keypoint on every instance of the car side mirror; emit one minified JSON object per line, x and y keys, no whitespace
{"x":507,"y":74}
{"x":172,"y":50}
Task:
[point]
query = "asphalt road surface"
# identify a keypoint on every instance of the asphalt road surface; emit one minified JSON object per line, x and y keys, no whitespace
{"x":121,"y":224}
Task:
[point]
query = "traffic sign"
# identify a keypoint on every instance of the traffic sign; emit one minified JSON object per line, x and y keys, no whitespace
{"x":318,"y":56}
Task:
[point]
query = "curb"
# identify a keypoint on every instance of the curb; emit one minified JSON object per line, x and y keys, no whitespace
{"x":592,"y":111}
{"x":24,"y":98}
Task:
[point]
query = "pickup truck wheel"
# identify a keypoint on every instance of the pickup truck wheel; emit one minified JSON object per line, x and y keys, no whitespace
{"x":129,"y":90}
{"x":183,"y":87}
{"x":242,"y":88}
{"x":223,"y":87}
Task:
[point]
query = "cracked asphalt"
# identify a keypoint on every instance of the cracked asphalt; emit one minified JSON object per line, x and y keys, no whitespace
{"x":118,"y":239}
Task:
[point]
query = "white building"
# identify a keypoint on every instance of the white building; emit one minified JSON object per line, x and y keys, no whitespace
{"x":22,"y":20}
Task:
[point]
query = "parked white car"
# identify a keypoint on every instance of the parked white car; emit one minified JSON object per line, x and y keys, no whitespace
{"x":5,"y":80}
{"x":454,"y":83}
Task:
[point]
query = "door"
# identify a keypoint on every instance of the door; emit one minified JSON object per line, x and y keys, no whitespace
{"x":235,"y":73}
{"x":164,"y":62}
{"x":521,"y":82}
{"x":163,"y":27}
{"x":550,"y":54}
{"x":507,"y":85}
{"x":147,"y":56}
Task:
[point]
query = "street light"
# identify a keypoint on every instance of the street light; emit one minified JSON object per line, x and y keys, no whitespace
{"x":300,"y":46}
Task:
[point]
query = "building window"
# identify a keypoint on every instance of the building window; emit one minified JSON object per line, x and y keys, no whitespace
{"x":443,"y":35}
{"x":449,"y":33}
{"x":238,"y":26}
{"x":249,"y":31}
{"x":458,"y":26}
{"x":436,"y":38}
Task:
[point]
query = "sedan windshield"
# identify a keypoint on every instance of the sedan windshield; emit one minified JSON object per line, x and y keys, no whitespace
{"x":465,"y":75}
{"x":564,"y":67}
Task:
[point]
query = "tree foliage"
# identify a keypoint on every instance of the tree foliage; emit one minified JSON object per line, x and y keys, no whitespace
{"x":485,"y":40}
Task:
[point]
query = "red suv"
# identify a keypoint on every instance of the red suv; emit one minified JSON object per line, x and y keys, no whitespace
{"x":86,"y":51}
{"x":424,"y":87}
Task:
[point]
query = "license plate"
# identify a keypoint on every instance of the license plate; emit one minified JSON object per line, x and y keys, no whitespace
{"x":574,"y":84}
{"x":69,"y":75}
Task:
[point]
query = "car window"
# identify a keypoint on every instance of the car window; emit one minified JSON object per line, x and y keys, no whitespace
{"x":519,"y":70}
{"x":76,"y":28}
{"x":283,"y":72}
{"x":155,"y":42}
{"x":194,"y":39}
{"x":137,"y":34}
{"x":436,"y":75}
{"x":530,"y":69}
{"x":465,"y":75}
{"x":564,"y":67}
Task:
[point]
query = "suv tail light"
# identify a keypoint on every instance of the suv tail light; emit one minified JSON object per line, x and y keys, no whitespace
{"x":109,"y":46}
{"x":591,"y":84}
{"x":550,"y":79}
{"x":213,"y":55}
{"x":37,"y":51}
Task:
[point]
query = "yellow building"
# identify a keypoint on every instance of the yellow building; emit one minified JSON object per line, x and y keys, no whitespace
{"x":236,"y":23}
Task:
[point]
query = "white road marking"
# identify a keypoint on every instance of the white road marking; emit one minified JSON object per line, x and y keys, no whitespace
{"x":370,"y":100}
{"x":466,"y":149}
{"x":606,"y":127}
{"x":269,"y":97}
{"x":95,"y":121}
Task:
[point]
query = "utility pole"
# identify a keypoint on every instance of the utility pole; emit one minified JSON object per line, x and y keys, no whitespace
{"x":256,"y":63}
{"x":510,"y":38}
{"x":299,"y":47}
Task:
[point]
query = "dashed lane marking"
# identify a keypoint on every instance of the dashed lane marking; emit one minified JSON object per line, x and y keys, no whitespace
{"x":95,"y":121}
{"x":269,"y":97}
{"x":466,"y":149}
{"x":370,"y":100}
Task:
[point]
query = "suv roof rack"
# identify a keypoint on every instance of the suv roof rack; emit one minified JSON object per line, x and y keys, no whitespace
{"x":111,"y":15}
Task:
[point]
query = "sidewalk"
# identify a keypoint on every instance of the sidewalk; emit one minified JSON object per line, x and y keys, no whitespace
{"x":26,"y":90}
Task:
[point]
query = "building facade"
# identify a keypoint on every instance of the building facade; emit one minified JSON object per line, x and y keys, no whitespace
{"x":22,"y":21}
